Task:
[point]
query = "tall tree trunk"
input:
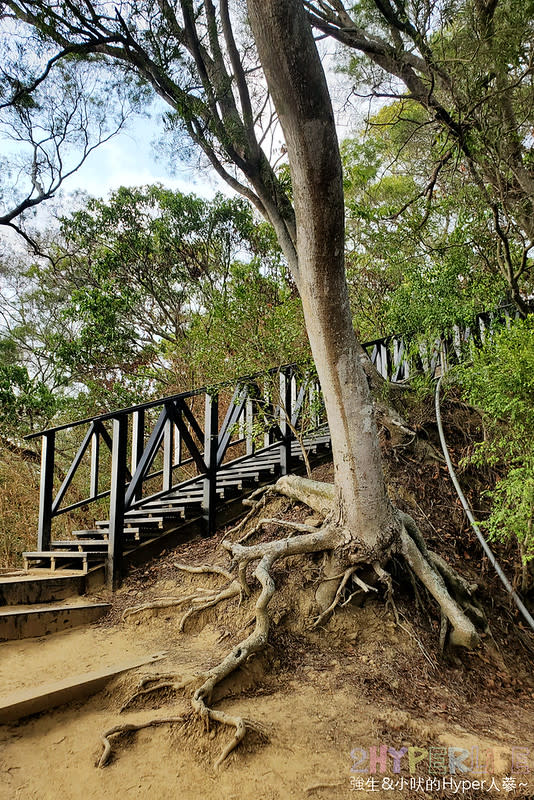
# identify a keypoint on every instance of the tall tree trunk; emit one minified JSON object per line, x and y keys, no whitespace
{"x":298,"y":86}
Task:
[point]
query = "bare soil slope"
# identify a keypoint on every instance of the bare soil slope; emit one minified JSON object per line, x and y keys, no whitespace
{"x":321,"y":698}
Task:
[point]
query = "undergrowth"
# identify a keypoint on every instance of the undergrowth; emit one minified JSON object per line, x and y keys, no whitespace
{"x":19,"y":510}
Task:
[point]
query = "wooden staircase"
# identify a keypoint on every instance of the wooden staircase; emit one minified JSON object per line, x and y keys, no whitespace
{"x":179,"y":512}
{"x":208,"y":448}
{"x":38,"y":604}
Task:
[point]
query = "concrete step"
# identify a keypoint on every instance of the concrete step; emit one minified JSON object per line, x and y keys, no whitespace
{"x":23,"y":622}
{"x":28,"y":588}
{"x":24,"y":702}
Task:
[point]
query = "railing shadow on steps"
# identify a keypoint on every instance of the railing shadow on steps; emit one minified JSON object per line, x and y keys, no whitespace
{"x":261,"y":417}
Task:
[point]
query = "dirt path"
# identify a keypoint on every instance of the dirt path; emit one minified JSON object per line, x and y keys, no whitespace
{"x":333,"y":702}
{"x":320,"y":697}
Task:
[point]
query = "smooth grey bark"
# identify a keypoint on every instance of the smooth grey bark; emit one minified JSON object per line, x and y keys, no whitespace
{"x":298,"y":86}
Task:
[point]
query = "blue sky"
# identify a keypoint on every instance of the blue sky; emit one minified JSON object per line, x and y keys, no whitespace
{"x":130,"y":159}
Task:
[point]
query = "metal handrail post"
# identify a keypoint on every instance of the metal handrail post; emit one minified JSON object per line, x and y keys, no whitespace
{"x":117,"y":504}
{"x":211,"y":444}
{"x":285,"y":418}
{"x":46,"y":491}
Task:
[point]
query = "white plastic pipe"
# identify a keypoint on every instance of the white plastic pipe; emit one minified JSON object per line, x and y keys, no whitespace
{"x":519,"y":603}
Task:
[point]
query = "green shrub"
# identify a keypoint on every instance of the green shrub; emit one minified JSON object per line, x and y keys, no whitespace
{"x":500,"y":382}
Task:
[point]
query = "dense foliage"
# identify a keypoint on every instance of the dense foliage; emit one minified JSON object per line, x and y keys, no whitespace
{"x":462,"y":74}
{"x":151,"y":292}
{"x":419,"y":260}
{"x":500,"y":382}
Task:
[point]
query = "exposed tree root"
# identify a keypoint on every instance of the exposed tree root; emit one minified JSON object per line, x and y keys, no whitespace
{"x":318,"y":496}
{"x":129,"y":728}
{"x":267,"y":554}
{"x":160,"y":602}
{"x":199,"y":600}
{"x":342,"y":562}
{"x":385,"y":577}
{"x":463,"y":632}
{"x":326,"y":613}
{"x":205,"y":568}
{"x":296,"y":526}
{"x":407,"y":628}
{"x":262,"y":494}
{"x":151,"y":684}
{"x":217,"y":597}
{"x":426,"y":566}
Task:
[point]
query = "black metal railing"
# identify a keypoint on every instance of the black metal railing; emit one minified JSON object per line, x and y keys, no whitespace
{"x":123,"y":452}
{"x":171,"y":439}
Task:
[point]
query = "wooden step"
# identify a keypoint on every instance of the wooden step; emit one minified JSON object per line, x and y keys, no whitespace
{"x":143,"y":535}
{"x":160,"y":515}
{"x":55,"y":557}
{"x":271,"y":458}
{"x":192,"y":491}
{"x":92,"y":533}
{"x":132,"y":522}
{"x":27,"y":589}
{"x":177,"y":508}
{"x":236,"y":482}
{"x":175,"y":504}
{"x":81,"y":545}
{"x":244,"y":467}
{"x":250,"y":475}
{"x":223,"y":487}
{"x":62,"y":554}
{"x":23,"y":702}
{"x":323,"y":441}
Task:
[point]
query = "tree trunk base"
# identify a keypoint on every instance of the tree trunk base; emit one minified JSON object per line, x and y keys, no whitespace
{"x":344,"y":568}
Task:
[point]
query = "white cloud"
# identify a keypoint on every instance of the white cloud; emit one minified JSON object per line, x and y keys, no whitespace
{"x":130,"y":159}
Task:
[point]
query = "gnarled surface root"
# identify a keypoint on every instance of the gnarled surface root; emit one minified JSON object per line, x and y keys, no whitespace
{"x":434,"y":573}
{"x":315,"y":494}
{"x":199,"y":600}
{"x":463,"y":632}
{"x":267,"y":554}
{"x":342,"y":560}
{"x":151,"y":684}
{"x":129,"y":728}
